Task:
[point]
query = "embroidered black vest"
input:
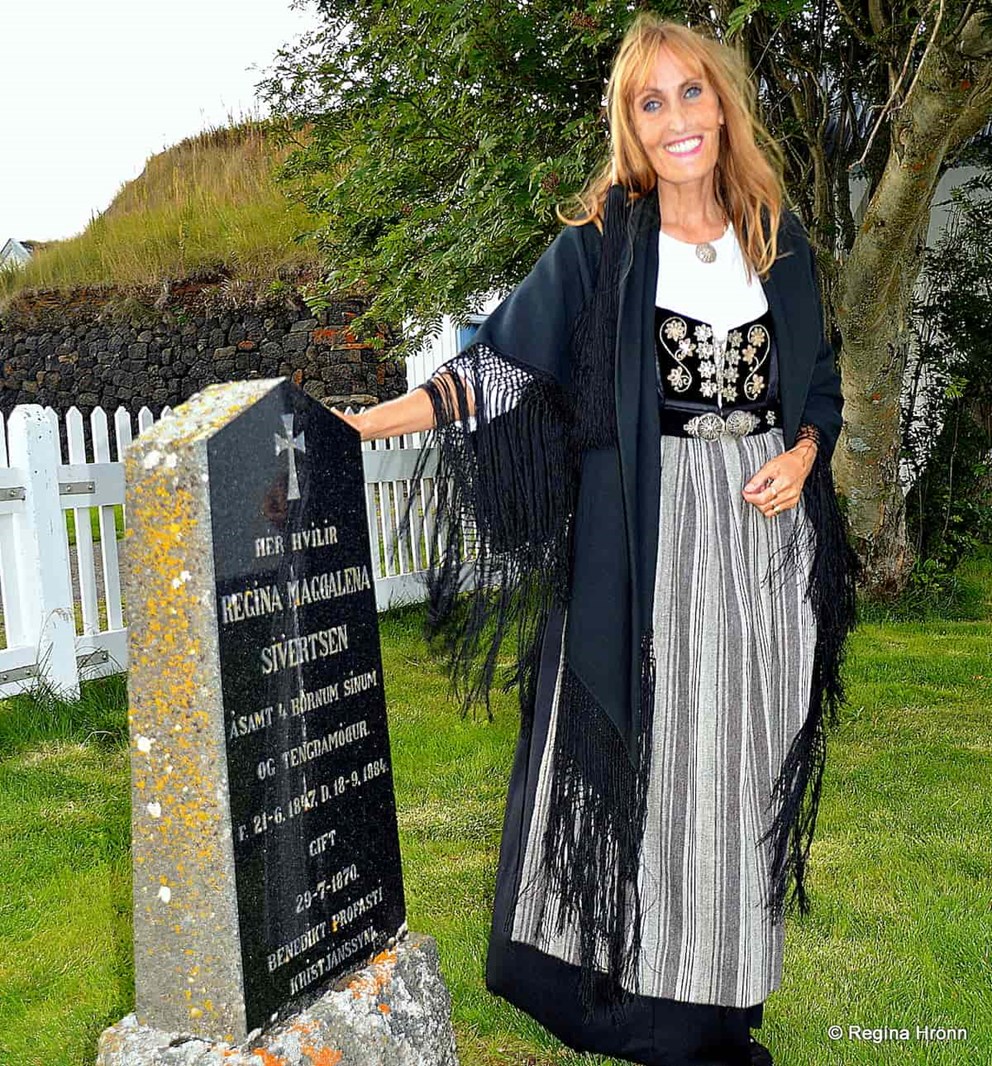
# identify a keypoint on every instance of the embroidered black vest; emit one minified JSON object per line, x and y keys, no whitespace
{"x":688,"y":367}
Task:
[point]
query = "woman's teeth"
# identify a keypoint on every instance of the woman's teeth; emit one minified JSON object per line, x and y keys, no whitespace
{"x":684,"y":146}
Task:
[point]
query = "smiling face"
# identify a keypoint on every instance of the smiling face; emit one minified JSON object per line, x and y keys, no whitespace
{"x":677,"y":117}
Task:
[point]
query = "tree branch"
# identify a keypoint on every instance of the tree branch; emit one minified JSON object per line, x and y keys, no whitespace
{"x":888,"y":106}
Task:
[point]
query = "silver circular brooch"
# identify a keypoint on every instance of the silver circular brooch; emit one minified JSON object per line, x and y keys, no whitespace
{"x":742,"y":422}
{"x":707,"y":426}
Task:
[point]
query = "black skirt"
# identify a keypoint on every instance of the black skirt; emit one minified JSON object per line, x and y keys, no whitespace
{"x":655,"y":1031}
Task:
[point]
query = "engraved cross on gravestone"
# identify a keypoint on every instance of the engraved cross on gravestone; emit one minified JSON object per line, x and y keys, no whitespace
{"x":292,"y":445}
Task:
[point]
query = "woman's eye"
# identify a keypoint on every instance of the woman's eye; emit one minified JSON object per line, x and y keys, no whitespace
{"x":689,"y":89}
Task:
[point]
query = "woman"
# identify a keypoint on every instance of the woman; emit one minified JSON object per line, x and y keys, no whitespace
{"x":638,"y":440}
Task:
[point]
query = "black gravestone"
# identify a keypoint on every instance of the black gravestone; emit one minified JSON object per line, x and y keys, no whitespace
{"x":316,"y":849}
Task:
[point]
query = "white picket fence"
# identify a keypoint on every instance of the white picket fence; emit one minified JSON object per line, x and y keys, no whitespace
{"x":63,"y":615}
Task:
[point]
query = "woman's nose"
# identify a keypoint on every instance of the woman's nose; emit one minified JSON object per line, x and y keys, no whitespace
{"x":676,"y":118}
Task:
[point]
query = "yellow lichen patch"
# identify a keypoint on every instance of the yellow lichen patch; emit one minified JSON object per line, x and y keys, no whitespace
{"x":168,"y":696}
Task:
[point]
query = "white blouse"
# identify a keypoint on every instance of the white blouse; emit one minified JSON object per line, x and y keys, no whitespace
{"x":717,"y":293}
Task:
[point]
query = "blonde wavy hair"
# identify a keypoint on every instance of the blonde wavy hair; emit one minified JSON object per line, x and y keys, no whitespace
{"x":750,"y":165}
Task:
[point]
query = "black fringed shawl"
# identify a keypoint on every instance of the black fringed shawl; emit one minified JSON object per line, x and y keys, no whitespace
{"x":550,"y":497}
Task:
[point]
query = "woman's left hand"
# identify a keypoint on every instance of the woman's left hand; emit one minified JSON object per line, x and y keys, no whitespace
{"x":778,"y":484}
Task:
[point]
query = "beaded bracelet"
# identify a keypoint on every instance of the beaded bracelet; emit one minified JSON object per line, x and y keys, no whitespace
{"x":807,"y":431}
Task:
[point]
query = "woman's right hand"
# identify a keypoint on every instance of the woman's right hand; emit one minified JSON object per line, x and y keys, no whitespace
{"x":353,"y":420}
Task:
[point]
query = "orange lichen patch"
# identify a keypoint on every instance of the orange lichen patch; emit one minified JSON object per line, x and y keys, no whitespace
{"x":303,"y":1025}
{"x":385,"y":1008}
{"x":324,"y":1056}
{"x":341,"y":337}
{"x":268,"y":1059}
{"x":381,"y":976}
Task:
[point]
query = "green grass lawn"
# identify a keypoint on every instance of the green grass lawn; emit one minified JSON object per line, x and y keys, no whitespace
{"x":94,"y":517}
{"x":901,"y":874}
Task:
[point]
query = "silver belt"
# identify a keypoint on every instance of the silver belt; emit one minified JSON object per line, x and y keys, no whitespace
{"x":710,"y":425}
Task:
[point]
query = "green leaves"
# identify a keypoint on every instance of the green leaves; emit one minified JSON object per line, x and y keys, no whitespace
{"x":740,"y":15}
{"x":443,"y":135}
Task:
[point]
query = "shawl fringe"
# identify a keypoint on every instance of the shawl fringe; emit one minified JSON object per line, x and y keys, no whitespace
{"x":830,"y":590}
{"x":591,"y":846}
{"x":505,"y":491}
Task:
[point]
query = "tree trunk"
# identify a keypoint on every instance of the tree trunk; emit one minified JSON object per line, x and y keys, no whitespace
{"x":949,"y":101}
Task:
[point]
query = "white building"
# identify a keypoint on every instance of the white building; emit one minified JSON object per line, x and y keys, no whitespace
{"x":15,"y":253}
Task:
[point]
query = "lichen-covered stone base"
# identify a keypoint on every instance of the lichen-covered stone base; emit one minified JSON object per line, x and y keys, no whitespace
{"x":394,"y":1012}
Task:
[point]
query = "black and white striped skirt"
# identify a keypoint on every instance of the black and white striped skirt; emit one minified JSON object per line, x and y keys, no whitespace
{"x":734,"y":651}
